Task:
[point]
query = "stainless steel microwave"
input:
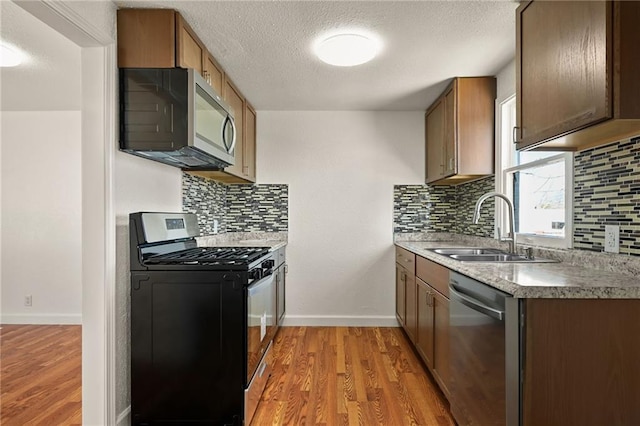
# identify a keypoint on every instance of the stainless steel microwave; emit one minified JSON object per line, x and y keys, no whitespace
{"x":173,"y":116}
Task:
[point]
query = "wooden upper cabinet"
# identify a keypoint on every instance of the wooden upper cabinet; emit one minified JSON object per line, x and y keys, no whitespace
{"x":434,"y":132}
{"x":191,"y":52}
{"x":234,"y":98}
{"x":161,"y":38}
{"x":213,"y":74}
{"x":577,"y":67}
{"x":146,"y":38}
{"x":249,"y":161}
{"x":460,"y":132}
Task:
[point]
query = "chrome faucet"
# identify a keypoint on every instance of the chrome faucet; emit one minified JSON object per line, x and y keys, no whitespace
{"x":476,"y":217}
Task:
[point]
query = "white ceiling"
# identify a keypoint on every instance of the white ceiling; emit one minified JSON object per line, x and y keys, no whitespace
{"x":266,"y":48}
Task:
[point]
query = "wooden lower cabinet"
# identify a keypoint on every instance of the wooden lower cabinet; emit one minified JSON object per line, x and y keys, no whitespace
{"x":426,"y":319}
{"x":429,"y":327}
{"x":406,"y":308}
{"x":411,"y":308}
{"x":441,"y":342}
{"x":401,"y":273}
{"x":581,"y":362}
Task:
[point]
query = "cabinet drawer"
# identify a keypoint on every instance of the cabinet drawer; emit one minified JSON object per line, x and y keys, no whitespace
{"x":437,"y":276}
{"x":406,"y":259}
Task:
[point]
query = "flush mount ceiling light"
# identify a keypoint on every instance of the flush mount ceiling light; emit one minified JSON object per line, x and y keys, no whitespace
{"x":347,"y":50}
{"x":9,"y":57}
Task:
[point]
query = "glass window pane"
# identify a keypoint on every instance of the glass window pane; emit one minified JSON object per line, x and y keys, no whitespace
{"x":524,"y":157}
{"x":539,"y":199}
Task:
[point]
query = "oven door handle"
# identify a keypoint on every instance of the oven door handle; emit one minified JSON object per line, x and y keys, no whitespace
{"x":256,"y":287}
{"x":474,"y":304}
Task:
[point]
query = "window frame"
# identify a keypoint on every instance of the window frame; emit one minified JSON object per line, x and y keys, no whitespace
{"x":506,"y":156}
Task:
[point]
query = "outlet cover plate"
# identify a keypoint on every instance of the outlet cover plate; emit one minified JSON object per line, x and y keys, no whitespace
{"x":612,"y":238}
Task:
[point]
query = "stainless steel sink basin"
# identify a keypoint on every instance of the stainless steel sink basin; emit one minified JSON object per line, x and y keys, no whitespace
{"x":464,"y":254}
{"x":467,"y":251}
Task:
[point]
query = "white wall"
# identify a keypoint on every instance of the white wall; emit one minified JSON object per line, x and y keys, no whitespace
{"x":41,"y":217}
{"x":340,"y":167}
{"x":506,"y":82}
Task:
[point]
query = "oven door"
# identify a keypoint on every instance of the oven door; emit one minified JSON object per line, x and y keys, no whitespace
{"x":261,"y":321}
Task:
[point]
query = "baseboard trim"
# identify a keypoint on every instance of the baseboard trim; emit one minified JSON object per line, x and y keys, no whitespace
{"x":41,"y":319}
{"x":340,"y":321}
{"x":124,"y":418}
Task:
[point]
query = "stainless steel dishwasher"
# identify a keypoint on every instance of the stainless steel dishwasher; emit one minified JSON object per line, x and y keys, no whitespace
{"x":485,"y":347}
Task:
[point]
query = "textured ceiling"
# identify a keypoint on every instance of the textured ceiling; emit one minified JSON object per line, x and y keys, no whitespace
{"x":266,"y":48}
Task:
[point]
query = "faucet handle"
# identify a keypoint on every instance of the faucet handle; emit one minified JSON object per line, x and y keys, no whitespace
{"x":529,"y":253}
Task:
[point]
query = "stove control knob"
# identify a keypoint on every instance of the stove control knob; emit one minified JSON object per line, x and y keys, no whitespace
{"x":268,"y":264}
{"x":255,"y":274}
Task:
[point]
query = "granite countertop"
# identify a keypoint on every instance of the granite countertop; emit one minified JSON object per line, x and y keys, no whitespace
{"x":535,"y":280}
{"x":273,"y":240}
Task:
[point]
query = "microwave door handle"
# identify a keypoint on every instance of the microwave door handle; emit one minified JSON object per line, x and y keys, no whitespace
{"x":224,"y":133}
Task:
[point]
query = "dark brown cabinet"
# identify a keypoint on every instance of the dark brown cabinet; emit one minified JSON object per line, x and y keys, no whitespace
{"x":459,"y":132}
{"x":441,"y":341}
{"x":422,"y":309}
{"x":406,"y":292}
{"x":434,"y":327}
{"x":577,"y":67}
{"x":426,"y":322}
{"x":581,"y":362}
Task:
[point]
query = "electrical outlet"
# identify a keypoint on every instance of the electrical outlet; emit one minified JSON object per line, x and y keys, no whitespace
{"x":612,"y":238}
{"x":27,"y":300}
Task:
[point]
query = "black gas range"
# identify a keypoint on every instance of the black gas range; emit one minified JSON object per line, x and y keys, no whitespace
{"x":202,"y":320}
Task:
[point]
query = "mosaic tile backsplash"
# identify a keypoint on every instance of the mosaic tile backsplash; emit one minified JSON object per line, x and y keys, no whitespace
{"x":252,"y":208}
{"x":607,"y":192}
{"x":206,"y":198}
{"x":424,"y":208}
{"x":237,"y":208}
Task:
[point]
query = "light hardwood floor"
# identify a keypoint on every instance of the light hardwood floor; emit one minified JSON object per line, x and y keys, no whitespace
{"x":322,"y":376}
{"x":41,"y":375}
{"x":349,"y":376}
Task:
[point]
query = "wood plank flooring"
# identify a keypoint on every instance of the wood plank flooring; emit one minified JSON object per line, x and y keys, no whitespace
{"x":349,"y":376}
{"x":41,"y":375}
{"x":322,"y":376}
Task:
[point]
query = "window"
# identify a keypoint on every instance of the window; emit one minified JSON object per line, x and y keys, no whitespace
{"x":540,"y":184}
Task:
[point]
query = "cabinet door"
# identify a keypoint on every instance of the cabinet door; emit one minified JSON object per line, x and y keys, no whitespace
{"x":146,"y":38}
{"x":450,"y":150}
{"x":441,"y":345}
{"x":435,"y":142}
{"x":213,"y":73}
{"x":190,"y":50}
{"x":564,"y":72}
{"x":425,"y":332}
{"x":400,"y":294}
{"x":411,"y":307}
{"x":235,"y":100}
{"x":249,"y":161}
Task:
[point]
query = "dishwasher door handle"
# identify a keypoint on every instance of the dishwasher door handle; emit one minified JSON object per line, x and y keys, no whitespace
{"x":474,"y":304}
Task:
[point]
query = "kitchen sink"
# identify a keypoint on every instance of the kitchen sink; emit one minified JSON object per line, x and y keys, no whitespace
{"x":487,"y":255}
{"x":467,"y":251}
